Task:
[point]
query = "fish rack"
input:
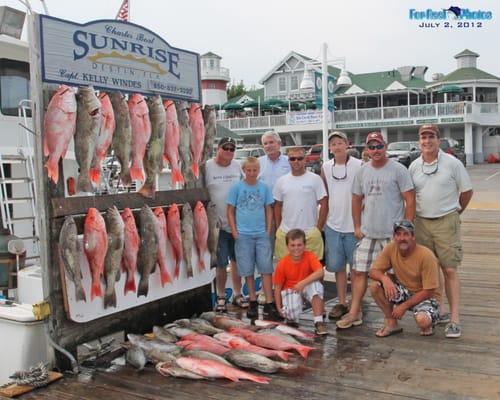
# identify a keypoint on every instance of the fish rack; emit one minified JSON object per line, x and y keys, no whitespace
{"x":53,"y":207}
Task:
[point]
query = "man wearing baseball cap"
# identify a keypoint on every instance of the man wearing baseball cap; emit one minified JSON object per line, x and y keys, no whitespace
{"x":443,"y":191}
{"x":382,"y":193}
{"x":221,"y":172}
{"x":414,"y":285}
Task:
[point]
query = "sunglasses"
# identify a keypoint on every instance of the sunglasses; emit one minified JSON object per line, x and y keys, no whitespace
{"x":403,"y":224}
{"x":376,"y":147}
{"x":295,"y":158}
{"x":229,"y":148}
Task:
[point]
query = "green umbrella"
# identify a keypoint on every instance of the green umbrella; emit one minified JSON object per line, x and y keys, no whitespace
{"x":450,"y":89}
{"x":232,"y":106}
{"x":251,"y":103}
{"x":275,"y":102}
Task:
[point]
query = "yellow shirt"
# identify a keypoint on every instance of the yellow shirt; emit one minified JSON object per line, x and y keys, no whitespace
{"x":416,"y":272}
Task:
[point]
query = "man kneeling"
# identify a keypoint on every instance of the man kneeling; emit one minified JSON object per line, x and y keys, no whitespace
{"x":415,"y":286}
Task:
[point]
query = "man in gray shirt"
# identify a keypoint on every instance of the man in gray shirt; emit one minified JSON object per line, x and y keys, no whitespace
{"x":382,"y":193}
{"x":443,"y":190}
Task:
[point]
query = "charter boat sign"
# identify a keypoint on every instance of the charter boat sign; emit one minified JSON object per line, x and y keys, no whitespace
{"x":116,"y":55}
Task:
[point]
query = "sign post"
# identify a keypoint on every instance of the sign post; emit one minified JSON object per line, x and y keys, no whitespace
{"x":318,"y":90}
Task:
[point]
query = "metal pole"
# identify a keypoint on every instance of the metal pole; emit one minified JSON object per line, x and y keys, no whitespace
{"x":324,"y":100}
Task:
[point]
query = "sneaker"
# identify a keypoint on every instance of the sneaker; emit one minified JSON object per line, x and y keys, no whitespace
{"x":443,"y":319}
{"x":453,"y":330}
{"x":220,"y":305}
{"x":271,"y":313}
{"x":347,"y":321}
{"x":320,"y":328}
{"x":338,"y":310}
{"x":240,"y":301}
{"x":253,"y":310}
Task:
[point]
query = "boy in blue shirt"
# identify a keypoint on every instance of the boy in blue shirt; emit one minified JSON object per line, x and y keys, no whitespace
{"x":249,"y":214}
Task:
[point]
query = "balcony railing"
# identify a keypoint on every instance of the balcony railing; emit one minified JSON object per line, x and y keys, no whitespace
{"x":215,"y":73}
{"x":364,"y":114}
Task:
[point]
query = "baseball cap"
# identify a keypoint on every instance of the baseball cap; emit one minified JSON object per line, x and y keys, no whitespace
{"x":338,"y":134}
{"x":429,"y":128}
{"x":227,"y":140}
{"x":405,"y":224}
{"x":377,"y":136}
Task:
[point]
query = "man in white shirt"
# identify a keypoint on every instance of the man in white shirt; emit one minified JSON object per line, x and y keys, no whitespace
{"x":338,"y":175}
{"x":297,"y":196}
{"x":221,"y":172}
{"x":274,"y":164}
{"x":443,"y":191}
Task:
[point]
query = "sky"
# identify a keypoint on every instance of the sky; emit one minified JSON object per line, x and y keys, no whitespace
{"x":252,"y":37}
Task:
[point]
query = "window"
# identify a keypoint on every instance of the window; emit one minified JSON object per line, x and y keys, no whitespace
{"x":211,"y":85}
{"x":294,"y":82}
{"x":282,"y":84}
{"x":211,"y":64}
{"x":14,"y":85}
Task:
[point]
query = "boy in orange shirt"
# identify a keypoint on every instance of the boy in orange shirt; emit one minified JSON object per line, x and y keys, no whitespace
{"x":298,"y":275}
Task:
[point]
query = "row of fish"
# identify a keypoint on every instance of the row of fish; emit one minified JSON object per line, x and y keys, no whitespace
{"x":113,"y":243}
{"x":144,"y":135}
{"x":216,"y":346}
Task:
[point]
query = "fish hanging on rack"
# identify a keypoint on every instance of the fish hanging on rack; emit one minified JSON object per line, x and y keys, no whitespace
{"x":197,"y":137}
{"x":184,"y":143}
{"x":175,"y":236}
{"x":141,"y":133}
{"x":187,"y":237}
{"x":104,"y":138}
{"x":210,"y":133}
{"x":88,"y":125}
{"x":148,"y":250}
{"x":112,"y":263}
{"x":95,"y":246}
{"x":200,"y":229}
{"x":59,"y":127}
{"x":122,"y":138}
{"x":153,"y":159}
{"x":130,"y":249}
{"x":172,"y":138}
{"x":162,"y":236}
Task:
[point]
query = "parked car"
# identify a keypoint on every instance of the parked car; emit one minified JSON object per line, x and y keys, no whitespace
{"x":403,"y":152}
{"x":314,"y":153}
{"x":452,"y":146}
{"x":242,"y":154}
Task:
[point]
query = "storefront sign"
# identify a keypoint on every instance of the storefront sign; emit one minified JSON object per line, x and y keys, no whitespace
{"x":304,"y":118}
{"x":116,"y":55}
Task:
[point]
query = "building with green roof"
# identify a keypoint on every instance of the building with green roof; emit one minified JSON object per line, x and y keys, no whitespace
{"x":464,"y":103}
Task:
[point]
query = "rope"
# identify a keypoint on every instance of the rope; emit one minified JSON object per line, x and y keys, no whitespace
{"x":36,"y":376}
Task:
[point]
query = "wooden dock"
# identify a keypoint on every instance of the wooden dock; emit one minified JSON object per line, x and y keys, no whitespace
{"x":354,"y":364}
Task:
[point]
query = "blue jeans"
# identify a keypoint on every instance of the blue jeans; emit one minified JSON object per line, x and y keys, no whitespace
{"x":339,"y":249}
{"x":251,"y":251}
{"x":225,"y":249}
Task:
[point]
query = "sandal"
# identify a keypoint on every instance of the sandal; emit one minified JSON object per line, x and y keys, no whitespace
{"x":220,"y":306}
{"x":386,"y":331}
{"x":240,"y":301}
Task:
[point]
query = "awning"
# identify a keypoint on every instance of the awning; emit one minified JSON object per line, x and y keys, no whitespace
{"x":450,"y":89}
{"x":232,"y":106}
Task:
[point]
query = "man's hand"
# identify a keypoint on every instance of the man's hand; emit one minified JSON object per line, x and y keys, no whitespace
{"x":359,"y":235}
{"x":389,"y":288}
{"x":235,"y":234}
{"x":399,"y":310}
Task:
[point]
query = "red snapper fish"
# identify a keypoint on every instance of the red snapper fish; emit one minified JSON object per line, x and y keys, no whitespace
{"x":141,"y":133}
{"x":175,"y":236}
{"x":162,"y":235}
{"x":105,"y":137}
{"x":198,"y":137}
{"x":59,"y":126}
{"x":130,"y":250}
{"x":215,"y":369}
{"x":172,"y":139}
{"x":200,"y":222}
{"x":95,"y":246}
{"x":271,"y":341}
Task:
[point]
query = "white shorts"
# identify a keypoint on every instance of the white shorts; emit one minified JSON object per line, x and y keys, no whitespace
{"x":292,"y":300}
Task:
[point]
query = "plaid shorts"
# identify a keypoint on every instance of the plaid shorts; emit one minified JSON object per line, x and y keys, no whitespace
{"x":293,"y":301}
{"x":366,"y":252}
{"x":429,"y":306}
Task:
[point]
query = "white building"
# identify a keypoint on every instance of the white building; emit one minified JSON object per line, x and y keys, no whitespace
{"x":463,"y":103}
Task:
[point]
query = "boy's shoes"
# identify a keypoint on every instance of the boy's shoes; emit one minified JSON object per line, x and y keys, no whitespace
{"x":253,"y":310}
{"x":271,"y":313}
{"x":240,"y":301}
{"x":443,"y":319}
{"x":320,"y":328}
{"x":220,"y":305}
{"x":453,"y":330}
{"x":337,"y":311}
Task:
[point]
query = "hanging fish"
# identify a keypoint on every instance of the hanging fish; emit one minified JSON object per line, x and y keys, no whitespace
{"x":122,"y":138}
{"x":172,"y":138}
{"x":116,"y":240}
{"x":130,"y":249}
{"x":197,"y":137}
{"x":148,"y":250}
{"x":187,"y":237}
{"x":200,"y":230}
{"x":175,"y":236}
{"x":95,"y":246}
{"x":162,"y":236}
{"x":141,"y":133}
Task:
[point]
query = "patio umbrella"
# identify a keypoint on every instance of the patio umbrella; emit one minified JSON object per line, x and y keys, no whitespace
{"x":232,"y":106}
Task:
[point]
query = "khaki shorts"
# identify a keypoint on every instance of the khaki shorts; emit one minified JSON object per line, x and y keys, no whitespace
{"x":442,"y":236}
{"x":314,"y":243}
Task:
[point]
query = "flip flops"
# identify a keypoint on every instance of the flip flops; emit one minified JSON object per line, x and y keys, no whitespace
{"x":386,"y":331}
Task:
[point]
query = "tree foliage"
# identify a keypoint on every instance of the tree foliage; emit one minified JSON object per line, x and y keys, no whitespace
{"x":235,"y":90}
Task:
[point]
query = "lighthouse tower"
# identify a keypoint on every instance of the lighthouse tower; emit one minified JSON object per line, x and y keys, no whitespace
{"x":214,"y":79}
